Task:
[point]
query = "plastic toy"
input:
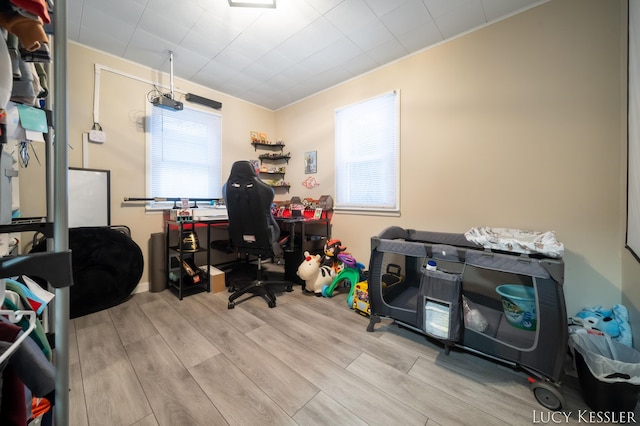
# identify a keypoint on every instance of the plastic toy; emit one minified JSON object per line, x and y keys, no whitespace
{"x":315,"y":275}
{"x":613,"y":322}
{"x":332,"y":249}
{"x":352,"y":273}
{"x":361,"y":299}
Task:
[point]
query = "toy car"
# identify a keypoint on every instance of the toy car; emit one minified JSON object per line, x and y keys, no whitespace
{"x":361,"y":299}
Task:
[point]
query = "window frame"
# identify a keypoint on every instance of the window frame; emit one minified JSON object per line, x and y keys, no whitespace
{"x":392,"y":207}
{"x":158,"y":206}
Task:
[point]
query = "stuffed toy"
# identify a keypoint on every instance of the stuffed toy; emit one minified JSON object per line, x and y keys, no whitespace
{"x":611,"y":322}
{"x":314,"y":274}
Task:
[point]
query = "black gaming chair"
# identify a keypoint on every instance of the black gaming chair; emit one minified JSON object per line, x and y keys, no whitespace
{"x":252,"y":229}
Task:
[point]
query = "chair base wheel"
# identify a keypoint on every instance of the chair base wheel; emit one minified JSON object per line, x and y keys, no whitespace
{"x":272,"y":304}
{"x":231,"y":305}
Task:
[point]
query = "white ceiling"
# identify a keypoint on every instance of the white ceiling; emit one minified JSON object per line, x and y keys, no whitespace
{"x":274,"y":57}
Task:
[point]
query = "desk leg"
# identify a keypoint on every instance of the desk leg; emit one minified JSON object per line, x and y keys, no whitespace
{"x":292,"y":260}
{"x":292,"y":236}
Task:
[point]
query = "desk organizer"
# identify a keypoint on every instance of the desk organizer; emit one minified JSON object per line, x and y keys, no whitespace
{"x":507,"y":306}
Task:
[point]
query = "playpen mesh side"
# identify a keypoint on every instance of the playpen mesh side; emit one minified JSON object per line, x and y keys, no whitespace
{"x":506,"y":263}
{"x":404,"y":308}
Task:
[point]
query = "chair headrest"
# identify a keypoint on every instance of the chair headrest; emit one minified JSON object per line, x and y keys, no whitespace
{"x":242,"y":170}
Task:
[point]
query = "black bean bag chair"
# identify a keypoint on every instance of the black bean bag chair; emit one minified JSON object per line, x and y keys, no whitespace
{"x":106,"y":266}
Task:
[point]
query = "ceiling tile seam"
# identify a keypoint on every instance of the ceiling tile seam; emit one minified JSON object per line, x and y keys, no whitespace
{"x":81,"y":20}
{"x":289,"y":38}
{"x":336,"y":5}
{"x":406,"y":52}
{"x":484,"y":12}
{"x":202,"y":16}
{"x":226,"y":47}
{"x":135,"y":28}
{"x":433,"y":20}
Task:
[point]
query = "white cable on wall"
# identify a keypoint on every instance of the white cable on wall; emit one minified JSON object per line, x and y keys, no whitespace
{"x":99,"y":67}
{"x":96,"y":94}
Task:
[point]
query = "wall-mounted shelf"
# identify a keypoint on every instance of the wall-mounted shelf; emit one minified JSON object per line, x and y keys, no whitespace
{"x":276,"y":157}
{"x":279,"y":146}
{"x":281,"y":186}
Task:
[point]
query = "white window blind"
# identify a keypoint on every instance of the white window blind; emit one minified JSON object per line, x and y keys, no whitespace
{"x":184,"y":156}
{"x":367,"y":155}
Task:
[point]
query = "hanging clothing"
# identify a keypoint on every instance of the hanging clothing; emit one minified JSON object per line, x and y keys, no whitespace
{"x":30,"y":32}
{"x":38,"y":335}
{"x":35,"y":303}
{"x":36,"y":7}
{"x":26,"y":367}
{"x":8,"y":334}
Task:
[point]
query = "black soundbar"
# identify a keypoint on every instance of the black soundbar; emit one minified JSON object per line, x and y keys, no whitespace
{"x":203,"y":101}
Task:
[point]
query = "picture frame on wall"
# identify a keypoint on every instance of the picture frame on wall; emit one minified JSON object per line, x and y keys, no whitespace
{"x":256,"y":165}
{"x":310,"y":162}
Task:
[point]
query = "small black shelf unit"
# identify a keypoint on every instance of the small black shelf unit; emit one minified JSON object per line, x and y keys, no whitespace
{"x":54,"y":267}
{"x":183,"y":285}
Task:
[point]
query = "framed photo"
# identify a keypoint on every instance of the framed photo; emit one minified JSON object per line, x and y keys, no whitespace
{"x":281,"y":211}
{"x":256,"y":165}
{"x":310,"y":162}
{"x":255,"y":138}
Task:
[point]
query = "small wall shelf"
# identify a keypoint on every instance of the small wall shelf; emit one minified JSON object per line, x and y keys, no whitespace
{"x":273,"y":157}
{"x":279,"y":146}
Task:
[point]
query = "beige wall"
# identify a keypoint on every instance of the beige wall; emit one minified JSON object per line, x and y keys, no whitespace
{"x":122,"y":111}
{"x":520,"y":124}
{"x":516,"y":125}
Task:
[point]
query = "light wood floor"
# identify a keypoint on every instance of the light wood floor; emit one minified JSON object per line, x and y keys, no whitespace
{"x":155,"y":360}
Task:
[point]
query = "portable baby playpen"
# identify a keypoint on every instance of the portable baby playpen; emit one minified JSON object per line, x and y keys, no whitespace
{"x":504,"y":305}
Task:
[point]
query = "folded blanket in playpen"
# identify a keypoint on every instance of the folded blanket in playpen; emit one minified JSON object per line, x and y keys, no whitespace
{"x":516,"y":240}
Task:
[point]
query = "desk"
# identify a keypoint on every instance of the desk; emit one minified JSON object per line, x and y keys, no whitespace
{"x":306,"y":243}
{"x":294,"y":254}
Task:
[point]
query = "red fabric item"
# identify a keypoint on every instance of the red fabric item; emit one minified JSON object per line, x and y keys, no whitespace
{"x":13,"y":410}
{"x":37,"y":7}
{"x":8,"y":332}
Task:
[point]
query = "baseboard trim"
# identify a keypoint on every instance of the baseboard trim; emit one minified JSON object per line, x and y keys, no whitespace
{"x":141,"y":288}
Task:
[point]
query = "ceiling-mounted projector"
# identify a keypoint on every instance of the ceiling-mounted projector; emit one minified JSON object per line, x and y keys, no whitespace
{"x":165,"y":101}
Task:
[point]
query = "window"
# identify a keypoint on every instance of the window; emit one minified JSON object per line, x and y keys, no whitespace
{"x":367,"y":155}
{"x":183,"y":155}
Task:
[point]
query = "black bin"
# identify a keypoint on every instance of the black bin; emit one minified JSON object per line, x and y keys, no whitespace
{"x":608,"y":372}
